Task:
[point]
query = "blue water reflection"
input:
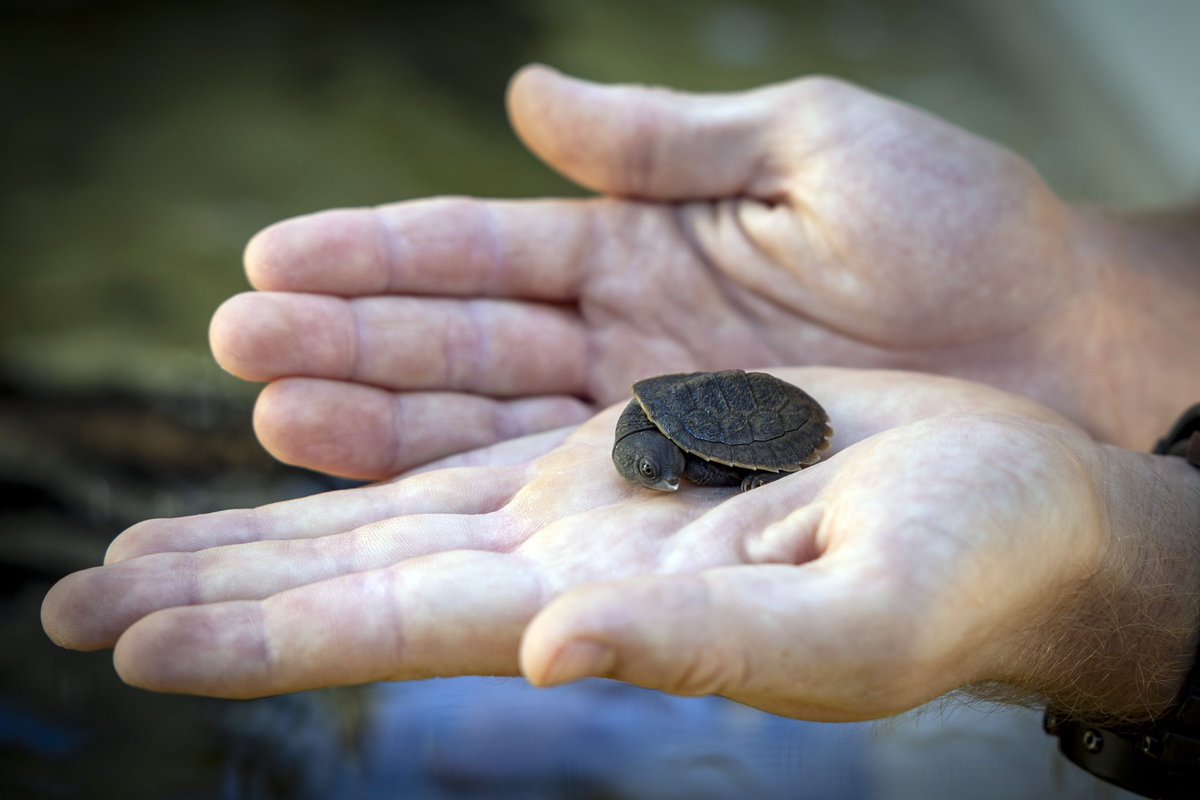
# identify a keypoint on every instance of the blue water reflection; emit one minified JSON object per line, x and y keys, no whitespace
{"x":502,"y":738}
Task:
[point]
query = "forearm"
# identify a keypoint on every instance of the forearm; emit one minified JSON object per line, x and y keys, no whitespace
{"x":1142,"y":357}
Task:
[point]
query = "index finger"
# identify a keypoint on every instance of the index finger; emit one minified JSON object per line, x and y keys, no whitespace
{"x":458,"y":246}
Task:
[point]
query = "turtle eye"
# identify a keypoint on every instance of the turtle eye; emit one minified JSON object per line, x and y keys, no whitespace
{"x":648,"y":469}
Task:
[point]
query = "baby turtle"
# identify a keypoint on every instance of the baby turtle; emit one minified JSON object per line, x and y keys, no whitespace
{"x":717,"y":429}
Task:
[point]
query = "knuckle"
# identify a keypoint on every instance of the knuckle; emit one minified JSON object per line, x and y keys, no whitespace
{"x":710,"y":669}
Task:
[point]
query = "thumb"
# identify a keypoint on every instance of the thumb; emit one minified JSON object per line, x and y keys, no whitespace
{"x":646,"y":142}
{"x":794,"y":640}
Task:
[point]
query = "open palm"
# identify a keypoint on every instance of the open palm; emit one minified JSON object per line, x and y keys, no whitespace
{"x":882,"y":577}
{"x":810,"y":222}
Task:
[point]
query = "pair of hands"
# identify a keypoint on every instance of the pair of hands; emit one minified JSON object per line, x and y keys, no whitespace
{"x":953,"y":535}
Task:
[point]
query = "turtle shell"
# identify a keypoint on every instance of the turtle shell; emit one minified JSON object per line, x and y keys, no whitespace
{"x":749,"y":420}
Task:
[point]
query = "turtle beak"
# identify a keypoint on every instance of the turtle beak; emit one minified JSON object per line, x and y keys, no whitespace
{"x":667,"y":485}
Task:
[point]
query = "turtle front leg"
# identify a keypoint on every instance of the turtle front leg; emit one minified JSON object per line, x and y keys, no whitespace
{"x":757,"y":479}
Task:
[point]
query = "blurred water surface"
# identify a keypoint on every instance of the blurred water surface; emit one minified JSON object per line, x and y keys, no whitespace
{"x":143,"y":144}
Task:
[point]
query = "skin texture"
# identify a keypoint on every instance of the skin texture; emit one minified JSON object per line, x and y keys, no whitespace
{"x":957,"y":535}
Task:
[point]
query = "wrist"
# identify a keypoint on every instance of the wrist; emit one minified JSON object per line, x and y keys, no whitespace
{"x":1145,"y":274}
{"x":1159,"y":757}
{"x":1154,"y":508}
{"x":1127,"y":638}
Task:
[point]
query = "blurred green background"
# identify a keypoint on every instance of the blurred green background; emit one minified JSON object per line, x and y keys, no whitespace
{"x":144,"y":143}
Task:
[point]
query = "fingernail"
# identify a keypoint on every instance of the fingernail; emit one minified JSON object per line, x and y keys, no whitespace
{"x":580,"y":659}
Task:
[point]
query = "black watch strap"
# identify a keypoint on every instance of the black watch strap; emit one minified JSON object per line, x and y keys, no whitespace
{"x":1162,"y":760}
{"x":1184,"y":438}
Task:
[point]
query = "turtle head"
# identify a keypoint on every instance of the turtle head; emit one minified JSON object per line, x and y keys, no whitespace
{"x":647,"y":458}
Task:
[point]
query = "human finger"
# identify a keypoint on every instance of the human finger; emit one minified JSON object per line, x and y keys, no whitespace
{"x":493,"y":347}
{"x":449,"y":246}
{"x":811,"y":641}
{"x":650,"y":142}
{"x":116,"y":596}
{"x":329,"y":513}
{"x":501,"y":454}
{"x":448,"y":614}
{"x":369,"y":433}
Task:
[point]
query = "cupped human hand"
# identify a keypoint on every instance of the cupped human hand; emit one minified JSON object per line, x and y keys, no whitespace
{"x":943,"y":542}
{"x":805,"y":223}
